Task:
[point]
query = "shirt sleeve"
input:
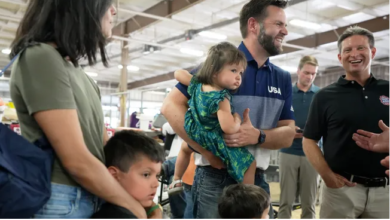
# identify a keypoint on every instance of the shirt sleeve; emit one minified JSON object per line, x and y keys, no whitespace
{"x":288,"y":110}
{"x":43,"y":80}
{"x":167,"y":129}
{"x":183,"y":88}
{"x":315,"y":124}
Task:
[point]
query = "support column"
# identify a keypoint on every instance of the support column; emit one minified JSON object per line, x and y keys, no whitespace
{"x":123,"y":83}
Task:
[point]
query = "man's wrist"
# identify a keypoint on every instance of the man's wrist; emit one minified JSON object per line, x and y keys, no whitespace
{"x":261,"y":136}
{"x":153,"y":209}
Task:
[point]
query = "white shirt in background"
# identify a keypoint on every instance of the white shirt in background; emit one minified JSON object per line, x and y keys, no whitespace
{"x":176,"y":143}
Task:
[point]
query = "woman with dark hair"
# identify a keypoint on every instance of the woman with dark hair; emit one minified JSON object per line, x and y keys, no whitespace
{"x":55,"y":98}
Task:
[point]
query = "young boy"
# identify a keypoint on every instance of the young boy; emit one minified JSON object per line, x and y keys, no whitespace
{"x":244,"y":201}
{"x":135,"y":161}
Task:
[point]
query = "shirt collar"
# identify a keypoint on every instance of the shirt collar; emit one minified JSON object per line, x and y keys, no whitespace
{"x":343,"y":81}
{"x":249,"y":57}
{"x":311,"y":89}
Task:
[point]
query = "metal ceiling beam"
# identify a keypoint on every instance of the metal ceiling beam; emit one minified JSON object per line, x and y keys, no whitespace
{"x":315,"y":40}
{"x":16,"y":2}
{"x":306,"y":43}
{"x":323,"y":52}
{"x":143,"y":14}
{"x":161,"y":9}
{"x":153,"y":80}
{"x":352,"y":6}
{"x":224,"y":23}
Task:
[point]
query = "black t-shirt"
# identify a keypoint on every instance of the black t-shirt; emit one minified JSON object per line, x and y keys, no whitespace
{"x":339,"y":110}
{"x":109,"y":210}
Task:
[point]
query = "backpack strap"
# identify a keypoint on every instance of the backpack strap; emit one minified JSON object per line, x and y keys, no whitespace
{"x":41,"y":142}
{"x":8,"y":65}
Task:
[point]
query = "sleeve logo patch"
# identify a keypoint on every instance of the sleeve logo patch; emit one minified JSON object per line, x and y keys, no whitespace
{"x":384,"y":100}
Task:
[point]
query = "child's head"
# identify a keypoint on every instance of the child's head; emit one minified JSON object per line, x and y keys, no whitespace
{"x":223,"y":67}
{"x":244,"y":201}
{"x":135,"y":161}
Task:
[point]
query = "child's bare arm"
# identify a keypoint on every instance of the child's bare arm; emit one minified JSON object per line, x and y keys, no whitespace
{"x":230,"y":124}
{"x":183,"y":76}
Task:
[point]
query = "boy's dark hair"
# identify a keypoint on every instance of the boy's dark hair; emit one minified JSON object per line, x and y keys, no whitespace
{"x":73,"y":25}
{"x":243,"y":201}
{"x":258,"y":10}
{"x":126,"y":147}
{"x":356,"y":30}
{"x":218,"y":56}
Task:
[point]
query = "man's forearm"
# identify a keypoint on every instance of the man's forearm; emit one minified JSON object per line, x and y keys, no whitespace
{"x":175,"y":116}
{"x":278,"y":138}
{"x":315,"y":157}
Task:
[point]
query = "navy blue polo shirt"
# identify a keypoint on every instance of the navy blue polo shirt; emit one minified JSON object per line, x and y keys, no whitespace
{"x":267,"y":92}
{"x":301,"y":102}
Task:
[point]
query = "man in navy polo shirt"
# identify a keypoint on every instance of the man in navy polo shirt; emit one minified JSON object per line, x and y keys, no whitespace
{"x":266,"y":90}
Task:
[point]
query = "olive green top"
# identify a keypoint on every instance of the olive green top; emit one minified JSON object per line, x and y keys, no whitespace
{"x":41,"y":80}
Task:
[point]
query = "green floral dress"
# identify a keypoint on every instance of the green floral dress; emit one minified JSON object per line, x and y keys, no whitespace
{"x":202,"y":126}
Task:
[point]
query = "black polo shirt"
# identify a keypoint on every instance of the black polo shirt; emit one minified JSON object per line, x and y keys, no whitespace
{"x":339,"y":110}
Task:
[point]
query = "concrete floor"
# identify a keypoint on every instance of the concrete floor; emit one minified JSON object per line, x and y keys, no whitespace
{"x":275,"y":195}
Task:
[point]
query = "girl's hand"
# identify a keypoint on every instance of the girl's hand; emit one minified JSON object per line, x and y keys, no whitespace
{"x":237,"y":118}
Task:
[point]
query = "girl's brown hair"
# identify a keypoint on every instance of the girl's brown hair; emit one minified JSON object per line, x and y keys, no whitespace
{"x":218,"y":56}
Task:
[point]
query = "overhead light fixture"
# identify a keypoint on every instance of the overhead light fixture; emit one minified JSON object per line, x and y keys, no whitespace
{"x":305,"y":24}
{"x":130,"y":68}
{"x":156,"y":93}
{"x":6,"y":51}
{"x":191,"y":52}
{"x":321,"y":4}
{"x":109,"y":107}
{"x":91,"y":74}
{"x":213,"y":35}
{"x":348,"y":6}
{"x":358,"y":17}
{"x":133,"y":68}
{"x":290,"y":69}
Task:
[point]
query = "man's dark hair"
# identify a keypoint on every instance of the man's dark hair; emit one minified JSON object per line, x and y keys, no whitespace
{"x":73,"y":25}
{"x":243,"y":201}
{"x":126,"y":147}
{"x":356,"y":30}
{"x":258,"y":10}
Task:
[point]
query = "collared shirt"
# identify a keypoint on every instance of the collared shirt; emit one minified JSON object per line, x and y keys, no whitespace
{"x":301,"y":103}
{"x":267,"y":92}
{"x":176,"y":143}
{"x":337,"y":112}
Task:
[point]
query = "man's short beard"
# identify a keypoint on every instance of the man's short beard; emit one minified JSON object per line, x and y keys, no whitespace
{"x":267,"y":42}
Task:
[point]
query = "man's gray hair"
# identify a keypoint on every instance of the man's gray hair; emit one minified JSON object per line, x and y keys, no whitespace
{"x":356,"y":30}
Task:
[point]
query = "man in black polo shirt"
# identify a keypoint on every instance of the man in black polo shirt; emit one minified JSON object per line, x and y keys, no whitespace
{"x":375,"y":142}
{"x":355,"y":182}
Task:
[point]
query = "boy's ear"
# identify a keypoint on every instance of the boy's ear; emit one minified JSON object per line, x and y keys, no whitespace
{"x":114,"y":172}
